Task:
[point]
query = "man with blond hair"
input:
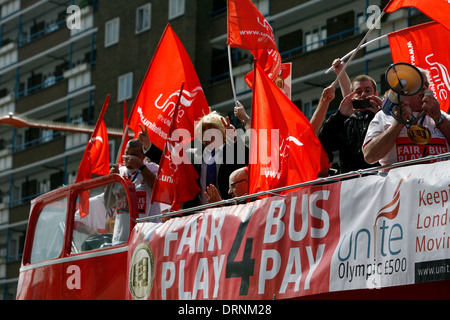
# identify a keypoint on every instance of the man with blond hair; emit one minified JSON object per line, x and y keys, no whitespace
{"x":221,"y":152}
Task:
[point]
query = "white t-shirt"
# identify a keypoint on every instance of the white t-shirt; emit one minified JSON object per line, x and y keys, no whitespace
{"x":404,"y":148}
{"x":144,"y":192}
{"x":97,"y":217}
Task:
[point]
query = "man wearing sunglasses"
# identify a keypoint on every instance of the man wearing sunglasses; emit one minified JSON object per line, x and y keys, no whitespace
{"x":238,"y":183}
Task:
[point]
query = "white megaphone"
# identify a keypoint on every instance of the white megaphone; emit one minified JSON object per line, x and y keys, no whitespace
{"x":403,"y":79}
{"x":391,"y":100}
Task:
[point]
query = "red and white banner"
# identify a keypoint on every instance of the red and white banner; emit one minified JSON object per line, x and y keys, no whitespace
{"x":425,"y":46}
{"x":370,"y":232}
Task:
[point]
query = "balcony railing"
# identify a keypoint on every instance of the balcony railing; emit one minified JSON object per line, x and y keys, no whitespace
{"x":320,"y":43}
{"x":295,"y":51}
{"x":47,"y":30}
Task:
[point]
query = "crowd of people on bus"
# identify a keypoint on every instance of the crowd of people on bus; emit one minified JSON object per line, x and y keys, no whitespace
{"x":360,"y":133}
{"x":362,"y":136}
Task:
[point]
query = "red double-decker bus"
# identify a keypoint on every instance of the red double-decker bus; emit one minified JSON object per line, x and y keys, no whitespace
{"x":372,"y":234}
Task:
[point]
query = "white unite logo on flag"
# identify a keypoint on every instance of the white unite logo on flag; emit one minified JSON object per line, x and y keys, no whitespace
{"x":439,"y":77}
{"x":186,"y":100}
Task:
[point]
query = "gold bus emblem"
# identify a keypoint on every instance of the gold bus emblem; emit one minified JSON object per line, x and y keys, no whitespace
{"x":141,"y":272}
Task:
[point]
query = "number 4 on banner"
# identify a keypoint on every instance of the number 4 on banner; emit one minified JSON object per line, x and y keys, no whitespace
{"x":245,"y":268}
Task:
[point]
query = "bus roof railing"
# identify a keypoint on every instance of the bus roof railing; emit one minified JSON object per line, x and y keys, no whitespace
{"x":335,"y":178}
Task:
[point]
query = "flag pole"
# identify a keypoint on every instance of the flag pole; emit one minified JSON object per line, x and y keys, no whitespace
{"x":102,"y":113}
{"x":172,"y":124}
{"x":357,"y":48}
{"x":231,"y":75}
{"x":125,"y":130}
{"x":362,"y":46}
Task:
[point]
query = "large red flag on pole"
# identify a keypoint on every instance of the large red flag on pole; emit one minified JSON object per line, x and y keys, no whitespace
{"x":423,"y":46}
{"x":176,"y":179}
{"x":154,"y":106}
{"x":248,"y":29}
{"x":284,"y":149}
{"x":438,"y":10}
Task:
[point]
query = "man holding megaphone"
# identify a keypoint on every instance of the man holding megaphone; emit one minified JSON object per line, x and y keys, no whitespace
{"x":411,"y":125}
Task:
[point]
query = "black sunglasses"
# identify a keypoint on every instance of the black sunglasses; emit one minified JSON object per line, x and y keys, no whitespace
{"x":232,"y":184}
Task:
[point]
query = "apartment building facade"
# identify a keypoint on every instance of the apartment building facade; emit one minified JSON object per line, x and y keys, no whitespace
{"x":53,"y":69}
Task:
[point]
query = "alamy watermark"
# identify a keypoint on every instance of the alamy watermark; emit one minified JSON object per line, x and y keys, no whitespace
{"x":269,"y":146}
{"x":74,"y":17}
{"x":373,"y":17}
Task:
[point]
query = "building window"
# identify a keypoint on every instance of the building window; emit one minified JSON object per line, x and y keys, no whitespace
{"x":143,"y":18}
{"x":125,"y":86}
{"x":176,"y":8}
{"x":263,"y":6}
{"x":9,"y":7}
{"x":290,"y":41}
{"x":315,"y":39}
{"x":112,"y":29}
{"x":340,"y":27}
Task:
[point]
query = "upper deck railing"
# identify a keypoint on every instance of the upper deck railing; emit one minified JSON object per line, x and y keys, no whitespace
{"x":335,"y":178}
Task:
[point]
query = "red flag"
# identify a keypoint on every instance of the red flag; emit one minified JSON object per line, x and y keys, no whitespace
{"x":284,"y":149}
{"x":95,"y":158}
{"x":248,"y":29}
{"x":155,"y":103}
{"x":438,"y":10}
{"x":96,"y":155}
{"x":176,"y":179}
{"x":423,"y":46}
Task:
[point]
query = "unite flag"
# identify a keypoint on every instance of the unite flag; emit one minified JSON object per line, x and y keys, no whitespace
{"x":438,"y":10}
{"x":425,"y":46}
{"x":176,"y":179}
{"x":248,"y":29}
{"x":154,"y":106}
{"x":284,"y":150}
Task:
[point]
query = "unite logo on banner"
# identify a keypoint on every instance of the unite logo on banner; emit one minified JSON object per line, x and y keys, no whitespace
{"x":366,"y":254}
{"x":424,"y":46}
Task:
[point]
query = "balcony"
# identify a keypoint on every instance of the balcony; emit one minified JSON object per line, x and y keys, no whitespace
{"x":8,"y":54}
{"x":41,"y":94}
{"x":28,"y":154}
{"x":42,"y":40}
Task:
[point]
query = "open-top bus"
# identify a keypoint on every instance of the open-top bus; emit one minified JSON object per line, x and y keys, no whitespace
{"x":373,"y":234}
